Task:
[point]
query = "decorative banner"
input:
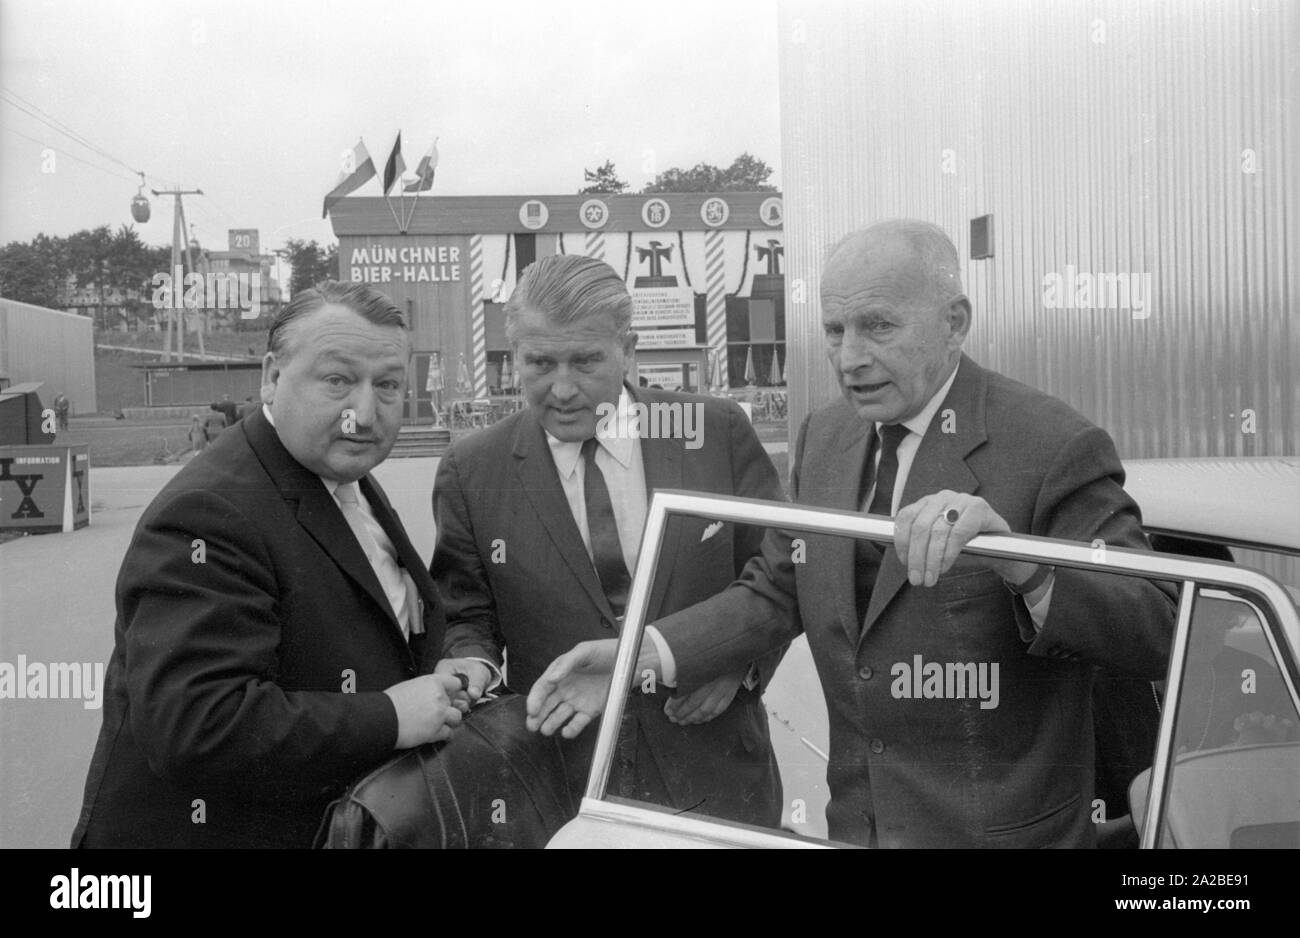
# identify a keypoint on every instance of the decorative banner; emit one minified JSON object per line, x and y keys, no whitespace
{"x":533,"y":214}
{"x":772,"y":212}
{"x":655,"y":260}
{"x":655,"y":213}
{"x":498,"y":273}
{"x":766,"y":254}
{"x":594,"y":213}
{"x":715,"y":277}
{"x":715,"y":212}
{"x":478,"y":327}
{"x":595,"y":246}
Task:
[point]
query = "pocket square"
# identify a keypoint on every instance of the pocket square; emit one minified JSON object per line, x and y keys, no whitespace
{"x":710,"y":531}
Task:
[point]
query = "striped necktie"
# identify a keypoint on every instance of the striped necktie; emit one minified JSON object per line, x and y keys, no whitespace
{"x":606,"y":548}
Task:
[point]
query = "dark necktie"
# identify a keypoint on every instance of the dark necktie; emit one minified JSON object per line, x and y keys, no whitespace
{"x":867,"y":554}
{"x":606,"y":549}
{"x":887,"y":473}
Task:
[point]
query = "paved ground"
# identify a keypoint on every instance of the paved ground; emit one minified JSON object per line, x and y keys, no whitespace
{"x":56,"y":605}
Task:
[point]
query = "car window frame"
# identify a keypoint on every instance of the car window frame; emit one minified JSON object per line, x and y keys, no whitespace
{"x":1280,"y":619}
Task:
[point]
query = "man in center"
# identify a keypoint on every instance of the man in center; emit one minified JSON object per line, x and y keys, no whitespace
{"x":539,"y":523}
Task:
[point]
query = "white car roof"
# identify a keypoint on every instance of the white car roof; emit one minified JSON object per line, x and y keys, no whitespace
{"x":1244,"y":500}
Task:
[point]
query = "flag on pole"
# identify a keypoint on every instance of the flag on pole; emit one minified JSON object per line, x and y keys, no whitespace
{"x":750,"y":374}
{"x":395,"y":166}
{"x":358,"y":168}
{"x":425,"y":170}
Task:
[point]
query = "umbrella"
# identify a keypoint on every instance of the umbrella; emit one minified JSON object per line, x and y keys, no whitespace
{"x":776,"y":368}
{"x":507,"y":373}
{"x":462,"y":375}
{"x":750,"y":375}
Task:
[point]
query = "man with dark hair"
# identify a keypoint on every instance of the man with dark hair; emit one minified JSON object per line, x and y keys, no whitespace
{"x":539,"y":524}
{"x":275,"y":628}
{"x":949,"y":450}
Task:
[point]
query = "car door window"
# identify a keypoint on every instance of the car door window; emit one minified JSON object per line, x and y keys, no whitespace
{"x":1235,"y":776}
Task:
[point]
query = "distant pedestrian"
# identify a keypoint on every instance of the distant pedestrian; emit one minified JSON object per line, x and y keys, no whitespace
{"x":198,"y":435}
{"x":228,"y":408}
{"x":214,"y":423}
{"x":248,"y":407}
{"x":61,"y":407}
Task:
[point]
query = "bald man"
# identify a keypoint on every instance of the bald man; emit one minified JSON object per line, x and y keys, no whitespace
{"x":950,"y":450}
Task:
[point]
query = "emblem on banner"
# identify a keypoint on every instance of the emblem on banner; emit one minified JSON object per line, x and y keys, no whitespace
{"x":533,"y":214}
{"x":655,"y":213}
{"x":656,"y":254}
{"x":772,"y":212}
{"x":715,"y":212}
{"x":593,"y":213}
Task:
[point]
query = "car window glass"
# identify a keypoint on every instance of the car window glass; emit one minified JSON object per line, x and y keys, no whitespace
{"x":1235,"y":779}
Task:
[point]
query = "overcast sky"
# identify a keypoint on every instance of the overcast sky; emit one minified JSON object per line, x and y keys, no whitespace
{"x":254,"y":102}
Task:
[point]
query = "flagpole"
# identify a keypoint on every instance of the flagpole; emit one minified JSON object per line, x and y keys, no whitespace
{"x":413,"y":201}
{"x":420,"y":179}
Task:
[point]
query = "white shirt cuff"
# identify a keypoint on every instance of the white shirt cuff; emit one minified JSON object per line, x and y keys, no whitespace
{"x":495,"y":680}
{"x":1038,"y":610}
{"x":667,"y":663}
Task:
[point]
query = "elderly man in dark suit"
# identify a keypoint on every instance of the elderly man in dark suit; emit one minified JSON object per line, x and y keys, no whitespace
{"x":275,"y":628}
{"x":950,"y":450}
{"x":539,"y":524}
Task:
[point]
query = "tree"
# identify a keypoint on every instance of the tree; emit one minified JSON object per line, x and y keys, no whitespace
{"x":116,"y":269}
{"x":746,"y":173}
{"x":310,"y":263}
{"x":34,"y":273}
{"x":603,"y":179}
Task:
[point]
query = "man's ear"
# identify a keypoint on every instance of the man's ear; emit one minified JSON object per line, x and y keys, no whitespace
{"x":959,"y":318}
{"x":270,"y":375}
{"x":629,"y":352}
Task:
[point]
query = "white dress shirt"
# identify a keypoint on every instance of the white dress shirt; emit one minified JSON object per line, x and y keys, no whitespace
{"x":907,"y":448}
{"x":398,"y":587}
{"x":619,"y":460}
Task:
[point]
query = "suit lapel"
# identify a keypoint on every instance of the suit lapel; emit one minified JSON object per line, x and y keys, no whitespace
{"x":540,"y":482}
{"x":841,"y":488}
{"x":318,"y":514}
{"x":940,"y":463}
{"x":661,"y":460}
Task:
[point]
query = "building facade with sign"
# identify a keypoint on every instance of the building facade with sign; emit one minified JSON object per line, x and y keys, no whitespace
{"x":706,"y":272}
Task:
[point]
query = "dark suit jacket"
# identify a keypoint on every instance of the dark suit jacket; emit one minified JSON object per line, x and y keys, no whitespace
{"x":498,"y":491}
{"x":226,"y":683}
{"x":946,"y":772}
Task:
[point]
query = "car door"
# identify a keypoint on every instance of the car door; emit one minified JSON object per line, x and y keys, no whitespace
{"x":1211,"y":790}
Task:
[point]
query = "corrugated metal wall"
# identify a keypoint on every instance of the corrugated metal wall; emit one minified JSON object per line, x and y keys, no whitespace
{"x":1112,"y":137}
{"x":39,"y":344}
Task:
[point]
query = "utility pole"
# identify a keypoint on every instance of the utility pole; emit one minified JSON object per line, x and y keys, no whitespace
{"x":200,"y":311}
{"x":178,"y":289}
